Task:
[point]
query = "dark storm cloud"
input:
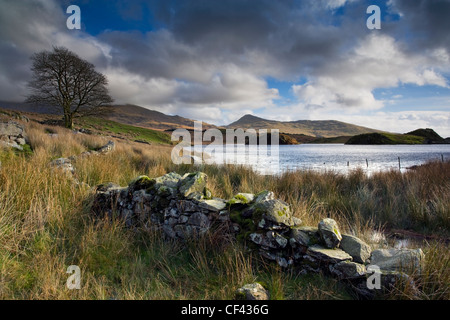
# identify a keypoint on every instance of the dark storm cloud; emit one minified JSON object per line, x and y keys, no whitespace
{"x":290,"y":37}
{"x":427,"y":22}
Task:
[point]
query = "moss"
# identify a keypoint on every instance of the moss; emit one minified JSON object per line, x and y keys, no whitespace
{"x":257,"y":214}
{"x":247,"y":226}
{"x":241,"y":198}
{"x":142,"y":182}
{"x":240,"y":295}
{"x":207,"y":194}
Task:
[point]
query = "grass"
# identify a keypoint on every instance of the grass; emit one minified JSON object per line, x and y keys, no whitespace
{"x":134,"y":133}
{"x":46,"y":225}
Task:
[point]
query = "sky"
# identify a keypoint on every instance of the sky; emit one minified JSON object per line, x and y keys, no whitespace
{"x":217,"y":60}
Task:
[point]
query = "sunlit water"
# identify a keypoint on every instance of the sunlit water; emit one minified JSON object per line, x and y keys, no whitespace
{"x":337,"y":157}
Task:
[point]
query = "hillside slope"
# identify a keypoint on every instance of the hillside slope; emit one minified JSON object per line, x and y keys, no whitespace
{"x":315,"y":128}
{"x":146,"y":118}
{"x":419,"y":136}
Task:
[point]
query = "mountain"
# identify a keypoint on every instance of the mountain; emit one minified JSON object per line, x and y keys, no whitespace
{"x":146,"y":118}
{"x":314,"y":128}
{"x":26,"y":107}
{"x":125,"y":114}
{"x":419,"y":136}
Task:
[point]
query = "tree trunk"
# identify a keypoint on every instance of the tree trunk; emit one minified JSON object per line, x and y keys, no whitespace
{"x":68,"y":120}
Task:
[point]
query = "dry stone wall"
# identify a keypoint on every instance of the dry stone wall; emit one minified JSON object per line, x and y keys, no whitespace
{"x":12,"y":135}
{"x":183,"y":208}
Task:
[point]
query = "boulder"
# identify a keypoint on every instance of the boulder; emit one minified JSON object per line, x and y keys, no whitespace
{"x":299,"y":238}
{"x":199,"y":219}
{"x":170,"y":180}
{"x":348,"y":270}
{"x":107,"y":147}
{"x":275,"y":212}
{"x":241,"y":198}
{"x":11,"y":128}
{"x":141,"y":183}
{"x":329,"y":232}
{"x":358,"y":249}
{"x":213,"y":204}
{"x":269,"y":240}
{"x":63,"y":164}
{"x":328,"y":255}
{"x":192,"y":185}
{"x":253,"y":291}
{"x":405,"y":260}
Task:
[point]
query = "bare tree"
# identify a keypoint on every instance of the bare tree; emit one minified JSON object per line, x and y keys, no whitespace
{"x":65,"y":81}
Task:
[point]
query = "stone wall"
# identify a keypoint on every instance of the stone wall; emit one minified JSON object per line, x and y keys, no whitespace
{"x":12,"y":135}
{"x":183,"y":208}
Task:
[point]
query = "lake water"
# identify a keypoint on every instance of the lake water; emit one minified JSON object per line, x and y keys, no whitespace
{"x":338,"y":157}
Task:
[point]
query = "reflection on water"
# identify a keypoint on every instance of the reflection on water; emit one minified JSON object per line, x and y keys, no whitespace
{"x":336,"y":157}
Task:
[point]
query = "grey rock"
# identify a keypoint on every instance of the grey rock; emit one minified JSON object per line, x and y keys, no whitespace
{"x":199,"y":219}
{"x":169,"y":180}
{"x":213,"y":205}
{"x":186,"y":206}
{"x":63,"y":164}
{"x":107,"y":147}
{"x":21,"y":141}
{"x":193,"y":184}
{"x":329,"y":232}
{"x":242,"y":198}
{"x":348,"y":270}
{"x":11,"y":144}
{"x":296,"y":221}
{"x":358,"y":249}
{"x":264,"y":196}
{"x":328,"y":255}
{"x":405,"y":260}
{"x":269,"y":239}
{"x":299,"y":238}
{"x":275,"y":211}
{"x":11,"y":128}
{"x":253,"y":291}
{"x":183,"y":219}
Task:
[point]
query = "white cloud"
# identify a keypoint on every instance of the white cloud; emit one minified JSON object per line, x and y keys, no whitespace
{"x":378,"y":61}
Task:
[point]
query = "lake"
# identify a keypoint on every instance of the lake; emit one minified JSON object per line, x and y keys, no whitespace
{"x":338,"y":157}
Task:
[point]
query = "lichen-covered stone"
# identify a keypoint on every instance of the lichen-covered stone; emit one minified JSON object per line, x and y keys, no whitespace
{"x":275,"y":211}
{"x":253,"y":291}
{"x":358,"y":249}
{"x":241,"y":198}
{"x":141,"y":182}
{"x":192,"y":185}
{"x":329,"y":232}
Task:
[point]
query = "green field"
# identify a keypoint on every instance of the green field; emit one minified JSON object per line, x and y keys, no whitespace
{"x":103,"y":126}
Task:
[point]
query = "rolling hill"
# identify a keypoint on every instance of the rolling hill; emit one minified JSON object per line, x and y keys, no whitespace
{"x":419,"y":136}
{"x":314,"y":128}
{"x":146,"y":118}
